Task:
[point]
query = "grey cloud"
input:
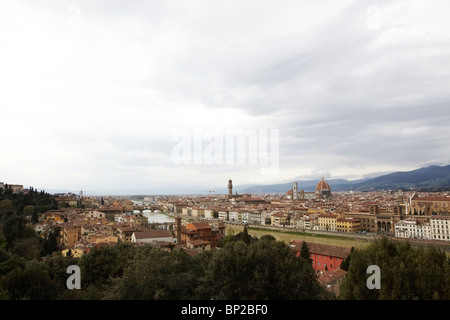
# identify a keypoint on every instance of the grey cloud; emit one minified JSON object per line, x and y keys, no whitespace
{"x":340,"y":93}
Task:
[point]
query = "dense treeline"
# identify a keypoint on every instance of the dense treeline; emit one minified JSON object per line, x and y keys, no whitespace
{"x":40,"y":200}
{"x":407,"y":273}
{"x":18,"y":212}
{"x":256,"y":269}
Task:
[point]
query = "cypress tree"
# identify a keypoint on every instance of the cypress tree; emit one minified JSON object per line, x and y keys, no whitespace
{"x":304,"y":252}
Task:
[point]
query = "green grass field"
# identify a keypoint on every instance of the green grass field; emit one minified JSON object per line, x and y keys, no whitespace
{"x":288,"y":236}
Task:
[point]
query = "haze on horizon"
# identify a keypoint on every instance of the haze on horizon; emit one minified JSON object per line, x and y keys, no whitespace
{"x":92,"y":92}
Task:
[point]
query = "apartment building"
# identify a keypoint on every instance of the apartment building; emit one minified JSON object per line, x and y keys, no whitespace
{"x":327,"y":222}
{"x":440,"y":226}
{"x":323,"y":256}
{"x":413,"y":229}
{"x":347,"y":225}
{"x":223,"y":215}
{"x":201,"y":231}
{"x":279,"y":219}
{"x":198,"y":212}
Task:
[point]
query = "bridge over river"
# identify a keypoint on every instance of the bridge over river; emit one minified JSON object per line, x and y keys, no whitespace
{"x":152,"y":208}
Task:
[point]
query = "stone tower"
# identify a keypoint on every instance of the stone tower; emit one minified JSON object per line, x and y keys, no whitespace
{"x":230,"y":187}
{"x":295,"y":192}
{"x":178,"y":229}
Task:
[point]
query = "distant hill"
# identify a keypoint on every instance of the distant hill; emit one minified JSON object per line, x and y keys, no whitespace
{"x":437,"y":177}
{"x":306,"y":185}
{"x":423,"y":178}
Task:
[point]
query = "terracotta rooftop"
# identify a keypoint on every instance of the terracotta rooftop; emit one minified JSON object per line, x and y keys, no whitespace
{"x":330,"y":277}
{"x":320,"y":248}
{"x":199,"y":225}
{"x":152,"y":234}
{"x":198,"y":242}
{"x":431,"y":199}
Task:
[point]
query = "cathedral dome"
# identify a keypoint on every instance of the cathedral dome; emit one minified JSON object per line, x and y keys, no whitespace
{"x":323,"y":188}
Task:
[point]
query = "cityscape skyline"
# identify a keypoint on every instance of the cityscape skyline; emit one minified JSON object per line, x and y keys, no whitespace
{"x":99,"y":96}
{"x":433,"y":178}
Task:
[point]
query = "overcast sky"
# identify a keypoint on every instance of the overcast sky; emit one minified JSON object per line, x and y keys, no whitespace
{"x":104,"y":96}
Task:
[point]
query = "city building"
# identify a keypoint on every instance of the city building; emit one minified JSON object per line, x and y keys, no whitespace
{"x":139,"y":220}
{"x":327,"y":222}
{"x":70,"y":235}
{"x":233,"y":216}
{"x":111,"y":211}
{"x":209,"y":214}
{"x":323,"y":256}
{"x":332,"y":280}
{"x":310,"y":221}
{"x":200,"y":231}
{"x":94,"y":214}
{"x":429,"y":205}
{"x":257,"y":217}
{"x":279,"y":219}
{"x":223,"y":215}
{"x":376,"y":219}
{"x":125,"y":232}
{"x":440,"y":226}
{"x":413,"y":229}
{"x":152,"y":236}
{"x":16,"y":188}
{"x":197,"y":212}
{"x":347,"y":225}
{"x":51,"y":217}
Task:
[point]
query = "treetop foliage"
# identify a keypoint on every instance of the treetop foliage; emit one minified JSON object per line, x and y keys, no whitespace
{"x":261,"y":269}
{"x":407,"y":273}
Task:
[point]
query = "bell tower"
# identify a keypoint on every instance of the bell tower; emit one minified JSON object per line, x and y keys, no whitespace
{"x":230,"y":187}
{"x":295,"y":192}
{"x":178,"y":229}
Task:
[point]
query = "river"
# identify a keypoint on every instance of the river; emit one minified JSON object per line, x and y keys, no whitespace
{"x":157,"y":217}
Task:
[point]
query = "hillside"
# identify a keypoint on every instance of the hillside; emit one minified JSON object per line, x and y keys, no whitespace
{"x":426,"y":178}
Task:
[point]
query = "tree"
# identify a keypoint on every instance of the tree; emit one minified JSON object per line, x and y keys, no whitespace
{"x":155,"y":274}
{"x":262,"y":269}
{"x":35,"y":216}
{"x":228,"y":237}
{"x":29,"y":210}
{"x":6,"y":206}
{"x":28,"y":248}
{"x":407,"y":273}
{"x":245,"y":236}
{"x":346,"y":263}
{"x":102,"y":264}
{"x":305,"y":254}
{"x":33,"y":282}
{"x":268,"y":237}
